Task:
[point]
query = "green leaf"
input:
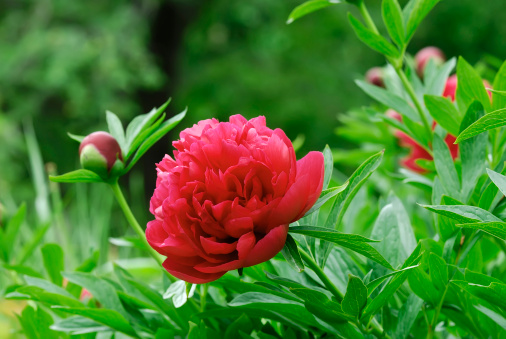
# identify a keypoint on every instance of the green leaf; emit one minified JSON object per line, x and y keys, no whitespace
{"x":143,"y":136}
{"x":373,"y":40}
{"x":472,"y":152}
{"x":444,"y":112}
{"x":52,"y":255}
{"x":498,"y":179}
{"x":389,"y":99}
{"x":140,"y":123}
{"x":445,"y":167}
{"x":394,"y":229}
{"x":100,"y":289}
{"x":11,"y":231}
{"x":24,"y":270}
{"x":36,"y":323}
{"x":319,"y":304}
{"x":392,"y":17}
{"x":80,"y":175}
{"x":153,"y":138}
{"x":110,"y":318}
{"x":462,"y":213}
{"x":470,"y":87}
{"x":243,"y":323}
{"x":495,"y":293}
{"x":52,"y":297}
{"x":325,"y":196}
{"x":78,"y":325}
{"x":329,"y":166}
{"x":86,"y":266}
{"x":355,"y":298}
{"x":309,"y":7}
{"x":354,"y":242}
{"x":30,"y":246}
{"x":356,"y":180}
{"x":78,"y":138}
{"x":496,"y":317}
{"x":498,"y":100}
{"x":438,"y":271}
{"x":480,"y":279}
{"x":421,"y":284}
{"x":407,"y":316}
{"x":435,"y":78}
{"x":116,"y":129}
{"x":419,"y":11}
{"x":486,"y":123}
{"x":495,"y":228}
{"x":376,"y":282}
{"x":291,"y":254}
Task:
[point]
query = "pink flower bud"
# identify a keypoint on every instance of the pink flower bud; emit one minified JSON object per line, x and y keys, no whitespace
{"x":375,"y":76}
{"x":450,"y":87}
{"x":424,"y":55}
{"x":98,"y":152}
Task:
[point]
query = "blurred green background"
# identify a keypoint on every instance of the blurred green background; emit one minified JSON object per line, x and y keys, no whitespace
{"x":64,"y":63}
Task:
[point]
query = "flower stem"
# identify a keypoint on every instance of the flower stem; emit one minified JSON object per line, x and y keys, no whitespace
{"x":135,"y":225}
{"x":203,"y":296}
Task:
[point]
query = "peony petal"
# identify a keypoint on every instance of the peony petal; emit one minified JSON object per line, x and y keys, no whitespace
{"x":188,"y":273}
{"x":268,"y":246}
{"x":211,"y":246}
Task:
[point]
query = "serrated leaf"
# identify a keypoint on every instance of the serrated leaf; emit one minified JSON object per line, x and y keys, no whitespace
{"x":355,"y":298}
{"x":444,"y":112}
{"x":463,"y":213}
{"x":80,"y":175}
{"x":392,"y":17}
{"x":309,"y":7}
{"x":486,"y":123}
{"x":153,"y":138}
{"x":291,"y":253}
{"x":445,"y":167}
{"x":373,"y":40}
{"x":495,"y":228}
{"x":470,"y":87}
{"x":52,"y":256}
{"x":419,"y":11}
{"x":110,"y":318}
{"x":353,"y":242}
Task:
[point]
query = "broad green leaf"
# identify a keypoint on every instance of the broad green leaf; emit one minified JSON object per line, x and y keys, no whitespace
{"x":495,"y":293}
{"x":78,"y":138}
{"x":394,"y":229}
{"x":52,"y":255}
{"x":153,"y":138}
{"x":376,"y":282}
{"x":325,"y":196}
{"x":392,"y":17}
{"x":141,"y":122}
{"x":353,"y":242}
{"x":445,"y":167}
{"x":24,"y":270}
{"x":373,"y":40}
{"x":355,"y":298}
{"x":116,"y":129}
{"x":309,"y":7}
{"x":463,"y":213}
{"x":356,"y":180}
{"x":419,"y":11}
{"x":444,"y":112}
{"x":78,"y":325}
{"x":100,"y":289}
{"x":438,"y":271}
{"x":36,"y":324}
{"x":499,"y":100}
{"x":11,"y":232}
{"x":388,"y":291}
{"x":470,"y":87}
{"x":29,"y":248}
{"x":80,"y":175}
{"x":435,"y":81}
{"x":329,"y":166}
{"x":321,"y":306}
{"x":480,"y":279}
{"x":495,"y":228}
{"x":422,"y":286}
{"x":108,"y":317}
{"x":407,"y":316}
{"x":291,"y":253}
{"x":472,"y":151}
{"x":496,"y":317}
{"x":486,"y":123}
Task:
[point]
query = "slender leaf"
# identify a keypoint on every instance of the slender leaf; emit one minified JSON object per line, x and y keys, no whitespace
{"x":470,"y":86}
{"x":116,"y":129}
{"x":486,"y":123}
{"x":496,"y":317}
{"x":376,"y":282}
{"x":80,"y":175}
{"x":329,"y":166}
{"x":371,"y":39}
{"x":291,"y":253}
{"x":392,"y":17}
{"x":309,"y":7}
{"x":495,"y":228}
{"x":444,"y":112}
{"x":11,"y":232}
{"x":52,"y":255}
{"x":419,"y":11}
{"x":499,"y":100}
{"x":463,"y":213}
{"x":445,"y":167}
{"x":78,"y":138}
{"x":325,"y":196}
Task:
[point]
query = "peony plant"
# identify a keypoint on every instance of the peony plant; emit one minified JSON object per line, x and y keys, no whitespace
{"x":246,"y":241}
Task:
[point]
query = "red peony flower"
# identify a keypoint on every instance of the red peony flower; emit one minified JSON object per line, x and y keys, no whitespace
{"x":227,"y":197}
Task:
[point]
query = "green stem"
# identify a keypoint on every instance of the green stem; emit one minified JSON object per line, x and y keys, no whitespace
{"x":135,"y":225}
{"x":412,"y":95}
{"x":433,"y":324}
{"x":323,"y":277}
{"x":203,"y":296}
{"x":367,"y":17}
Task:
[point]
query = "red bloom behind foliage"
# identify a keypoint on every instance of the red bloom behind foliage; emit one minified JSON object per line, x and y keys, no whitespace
{"x":226,"y":199}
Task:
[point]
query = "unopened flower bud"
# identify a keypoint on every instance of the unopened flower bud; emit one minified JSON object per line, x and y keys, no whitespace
{"x":424,"y":55}
{"x":375,"y":76}
{"x":98,"y":153}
